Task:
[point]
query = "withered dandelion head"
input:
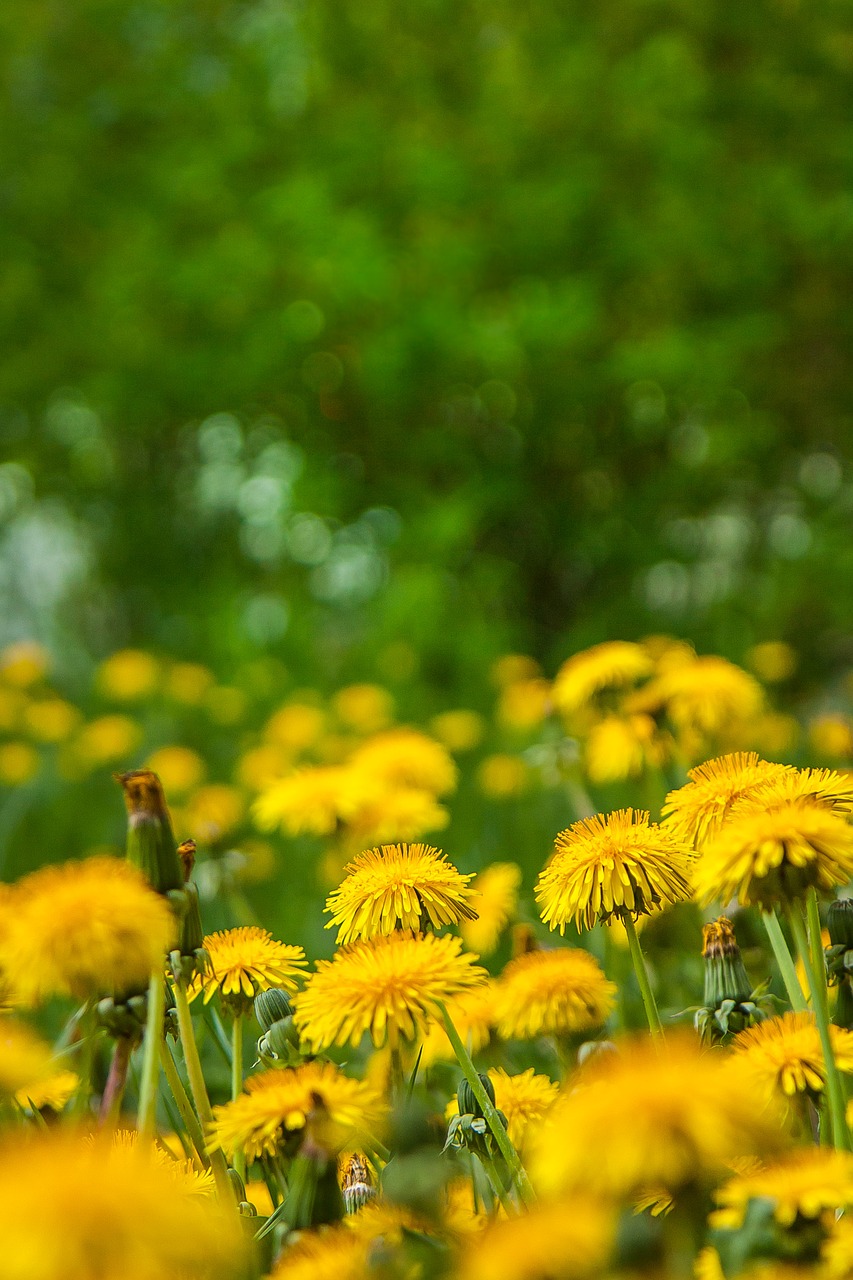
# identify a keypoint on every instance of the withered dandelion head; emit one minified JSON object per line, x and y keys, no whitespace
{"x":276,"y":1106}
{"x":695,"y":813}
{"x":247,"y":960}
{"x":84,"y":929}
{"x":552,"y":993}
{"x":402,"y":886}
{"x":389,"y":987}
{"x":620,"y":864}
{"x":776,"y":856}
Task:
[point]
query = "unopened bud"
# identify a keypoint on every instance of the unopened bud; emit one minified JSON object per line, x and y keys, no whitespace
{"x":150,"y":842}
{"x":186,"y":856}
{"x":357,"y":1182}
{"x":466,"y":1099}
{"x":271,"y":1006}
{"x":839,"y":921}
{"x":725,"y":975}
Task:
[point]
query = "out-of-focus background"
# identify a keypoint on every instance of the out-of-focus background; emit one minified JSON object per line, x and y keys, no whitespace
{"x":347,"y":343}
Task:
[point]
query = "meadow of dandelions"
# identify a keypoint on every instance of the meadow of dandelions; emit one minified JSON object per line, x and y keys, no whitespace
{"x":626,"y":1054}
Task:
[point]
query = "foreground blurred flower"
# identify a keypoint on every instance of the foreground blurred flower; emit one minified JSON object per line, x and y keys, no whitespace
{"x":552,"y":993}
{"x":616,"y":664}
{"x":334,"y":1254}
{"x":695,"y":813}
{"x":114,"y":1213}
{"x":25,"y":1061}
{"x":650,"y":1115}
{"x":524,"y":1099}
{"x":568,"y":1239}
{"x":389,"y":987}
{"x":276,"y":1106}
{"x":812,"y":1183}
{"x":84,"y":929}
{"x":403,"y":886}
{"x":245,"y":961}
{"x":777,"y":856}
{"x":784,"y":1054}
{"x":497,"y":896}
{"x":619,"y":864}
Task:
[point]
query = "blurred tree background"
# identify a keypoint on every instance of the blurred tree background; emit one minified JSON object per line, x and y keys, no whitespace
{"x":371,"y":337}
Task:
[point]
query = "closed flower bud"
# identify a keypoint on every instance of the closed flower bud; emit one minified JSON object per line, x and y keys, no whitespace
{"x":357,"y":1183}
{"x":725,"y":975}
{"x":150,"y":842}
{"x":466,"y":1100}
{"x":280,"y":1043}
{"x":839,"y":921}
{"x":271,"y":1006}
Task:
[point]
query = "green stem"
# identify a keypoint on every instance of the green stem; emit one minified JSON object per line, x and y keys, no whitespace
{"x":146,"y":1119}
{"x":494,"y":1177}
{"x":198,"y":1088}
{"x":507,"y":1150}
{"x":639,"y":962}
{"x":237,"y":1080}
{"x":787,"y":968}
{"x":816,"y":950}
{"x":184,"y":1105}
{"x":834,"y":1088}
{"x":86,"y":1063}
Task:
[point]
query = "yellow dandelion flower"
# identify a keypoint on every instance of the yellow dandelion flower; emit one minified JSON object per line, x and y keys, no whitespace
{"x":261,"y":767}
{"x":84,"y":929}
{"x":512,"y":667}
{"x":24,"y":663}
{"x":496,"y":888}
{"x":458,"y":730}
{"x":247,"y":960}
{"x":524,"y":704}
{"x":620,"y":864}
{"x":708,"y":697}
{"x":708,"y":1265}
{"x":128,"y":675}
{"x":19,"y":763}
{"x":401,"y":886}
{"x":552,"y":993}
{"x":525,"y":1100}
{"x":295,"y":726}
{"x":772,"y":661}
{"x":335,"y":1253}
{"x":695,"y":813}
{"x":784,"y":1054}
{"x":837,"y":1252}
{"x":166,"y":1152}
{"x":396,"y":813}
{"x":405,"y":757}
{"x":812,"y":1183}
{"x":769,"y":857}
{"x":473,"y":1016}
{"x":178,"y":768}
{"x":25,"y":1061}
{"x":277,"y":1104}
{"x":825,"y":788}
{"x":386,"y":1221}
{"x":51,"y":719}
{"x":312,"y":801}
{"x":650,"y":1116}
{"x":366,"y":708}
{"x":831,"y":735}
{"x":107,"y":740}
{"x":623,"y":746}
{"x":502,"y":775}
{"x":389,"y":987}
{"x":46,"y":1093}
{"x":655,"y":1201}
{"x":114,"y":1213}
{"x":188,"y":683}
{"x":569,"y":1239}
{"x":615,"y":664}
{"x":213,"y":812}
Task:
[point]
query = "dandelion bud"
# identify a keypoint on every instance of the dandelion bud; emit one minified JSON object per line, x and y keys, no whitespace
{"x":839,"y":958}
{"x":466,"y":1099}
{"x":150,"y":842}
{"x":725,"y":975}
{"x":280,"y":1043}
{"x":237,"y":1185}
{"x":839,"y":921}
{"x":271,"y":1006}
{"x":357,"y":1182}
{"x":186,"y":856}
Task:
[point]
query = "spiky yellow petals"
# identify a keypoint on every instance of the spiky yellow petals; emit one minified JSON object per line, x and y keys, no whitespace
{"x":776,"y":856}
{"x":784,"y":1054}
{"x":497,"y":896}
{"x":84,"y":929}
{"x":402,"y":886}
{"x":389,"y":987}
{"x":813,"y":1183}
{"x":552,"y":993}
{"x":619,"y":864}
{"x":696,"y":812}
{"x":245,"y":961}
{"x":277,"y":1104}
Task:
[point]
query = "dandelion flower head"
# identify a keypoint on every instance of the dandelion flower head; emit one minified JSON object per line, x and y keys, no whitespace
{"x":496,"y":888}
{"x":696,"y":812}
{"x":784,"y":1054}
{"x":247,"y":960}
{"x":404,"y":757}
{"x":311,"y":801}
{"x":810,"y":1183}
{"x":473,"y":1016}
{"x":570,"y":1239}
{"x":707,"y":697}
{"x":551,"y":993}
{"x":615,"y":664}
{"x":25,"y":1060}
{"x":47,"y":1093}
{"x":334,"y":1254}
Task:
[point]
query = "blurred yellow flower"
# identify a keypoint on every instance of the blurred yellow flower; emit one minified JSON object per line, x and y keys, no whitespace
{"x":615,"y":664}
{"x":84,"y":929}
{"x":525,"y":1099}
{"x":784,"y":1054}
{"x":570,"y":1239}
{"x":12,"y":706}
{"x":312,"y":801}
{"x":512,"y":667}
{"x":246,"y":960}
{"x":458,"y":730}
{"x":552,"y":993}
{"x":524,"y":704}
{"x":709,"y":697}
{"x":51,"y":719}
{"x":772,"y":661}
{"x":396,"y":813}
{"x":178,"y":768}
{"x":258,"y":768}
{"x":402,"y":886}
{"x":188,"y":683}
{"x":404,"y":757}
{"x":334,"y":1253}
{"x":623,"y":746}
{"x":107,"y":740}
{"x":696,"y":812}
{"x":366,"y":708}
{"x":47,"y":1093}
{"x":831,"y":736}
{"x":496,"y":888}
{"x":837,"y":1253}
{"x":501,"y":776}
{"x":277,"y":1104}
{"x":212,"y":812}
{"x":295,"y":726}
{"x":25,"y":1061}
{"x":23,"y":664}
{"x":388,"y":987}
{"x":774,"y":734}
{"x":19,"y":763}
{"x":811,"y":1183}
{"x":128,"y":675}
{"x":621,"y":863}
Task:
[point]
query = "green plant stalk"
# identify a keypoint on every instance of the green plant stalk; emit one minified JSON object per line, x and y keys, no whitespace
{"x":639,"y":962}
{"x":184,"y":1105}
{"x":198,"y":1089}
{"x":86,"y":1063}
{"x":507,"y":1150}
{"x":237,"y":1079}
{"x":816,"y":948}
{"x":784,"y":960}
{"x":494,"y":1178}
{"x":834,"y":1088}
{"x":146,"y":1118}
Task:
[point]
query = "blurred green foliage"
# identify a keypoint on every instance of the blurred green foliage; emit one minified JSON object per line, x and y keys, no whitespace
{"x":329,"y":326}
